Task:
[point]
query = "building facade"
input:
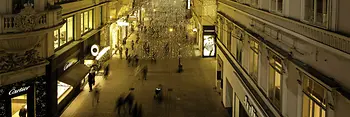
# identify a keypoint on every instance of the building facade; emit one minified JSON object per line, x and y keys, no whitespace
{"x":46,"y":51}
{"x":203,"y":24}
{"x":285,"y":58}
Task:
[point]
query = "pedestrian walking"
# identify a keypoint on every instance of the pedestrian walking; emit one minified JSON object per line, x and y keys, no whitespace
{"x":144,"y":72}
{"x":139,"y":111}
{"x":106,"y":71}
{"x":130,"y":100}
{"x":136,"y":60}
{"x":126,"y":53}
{"x":97,"y":90}
{"x":129,"y":60}
{"x":137,"y":39}
{"x":121,"y":52}
{"x":153,"y":59}
{"x":135,"y":110}
{"x":120,"y":102}
{"x":132,"y":44}
{"x":91,"y":79}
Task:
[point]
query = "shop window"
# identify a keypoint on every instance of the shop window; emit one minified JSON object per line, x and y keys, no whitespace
{"x":316,"y":12}
{"x":86,"y":21}
{"x":18,"y":5}
{"x":63,"y":90}
{"x":64,"y":34}
{"x":314,"y":98}
{"x":254,"y":59}
{"x":275,"y":79}
{"x":277,"y":6}
{"x":19,"y":106}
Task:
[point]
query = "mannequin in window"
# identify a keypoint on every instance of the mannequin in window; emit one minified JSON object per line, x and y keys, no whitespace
{"x":23,"y":112}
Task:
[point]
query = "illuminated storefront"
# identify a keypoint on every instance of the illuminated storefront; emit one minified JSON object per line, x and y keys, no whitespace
{"x":28,"y":96}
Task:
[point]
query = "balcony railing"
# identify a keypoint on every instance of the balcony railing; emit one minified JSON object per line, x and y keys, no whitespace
{"x":29,"y":20}
{"x":331,"y":39}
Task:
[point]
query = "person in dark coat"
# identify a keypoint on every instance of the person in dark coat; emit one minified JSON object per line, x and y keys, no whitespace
{"x":126,"y":53}
{"x":91,"y":80}
{"x":106,"y":71}
{"x":23,"y":112}
{"x":135,"y":110}
{"x":120,"y":102}
{"x":130,"y":100}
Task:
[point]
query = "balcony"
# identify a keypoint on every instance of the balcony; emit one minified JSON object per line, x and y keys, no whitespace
{"x":21,"y":32}
{"x":331,"y":39}
{"x":29,"y":20}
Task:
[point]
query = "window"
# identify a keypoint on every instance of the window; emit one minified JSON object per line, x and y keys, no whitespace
{"x":316,"y":12}
{"x":86,"y":19}
{"x":275,"y":90}
{"x":314,"y":98}
{"x":239,"y":35}
{"x":17,"y":5}
{"x":65,"y":34}
{"x":229,"y":37}
{"x":254,"y":59}
{"x":221,"y":30}
{"x":277,"y":6}
{"x":254,"y":3}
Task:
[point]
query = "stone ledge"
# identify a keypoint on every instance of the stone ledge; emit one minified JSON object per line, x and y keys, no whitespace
{"x":23,"y":74}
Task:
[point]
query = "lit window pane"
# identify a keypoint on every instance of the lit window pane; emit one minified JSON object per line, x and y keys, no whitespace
{"x":82,"y":23}
{"x":70,"y":28}
{"x":323,"y":113}
{"x":56,"y":36}
{"x":63,"y":34}
{"x":86,"y":21}
{"x":317,"y":111}
{"x":90,"y":19}
{"x":277,"y":80}
{"x":306,"y":106}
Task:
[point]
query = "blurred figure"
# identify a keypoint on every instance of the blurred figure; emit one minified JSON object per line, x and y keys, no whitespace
{"x":120,"y":102}
{"x":97,"y":91}
{"x":130,"y":100}
{"x":132,"y":45}
{"x":23,"y":111}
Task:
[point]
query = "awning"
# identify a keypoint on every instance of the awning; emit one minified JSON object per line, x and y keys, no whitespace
{"x":74,"y":75}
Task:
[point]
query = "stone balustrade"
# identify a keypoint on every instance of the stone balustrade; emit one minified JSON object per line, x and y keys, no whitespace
{"x":30,"y":20}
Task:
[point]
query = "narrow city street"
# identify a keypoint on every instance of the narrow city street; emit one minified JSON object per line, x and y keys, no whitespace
{"x":187,"y":94}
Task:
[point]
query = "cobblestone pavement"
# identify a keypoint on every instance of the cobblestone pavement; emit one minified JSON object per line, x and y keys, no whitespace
{"x":187,"y":94}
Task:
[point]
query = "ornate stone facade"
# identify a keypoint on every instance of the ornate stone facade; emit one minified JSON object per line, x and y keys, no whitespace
{"x":26,"y":19}
{"x":16,"y":61}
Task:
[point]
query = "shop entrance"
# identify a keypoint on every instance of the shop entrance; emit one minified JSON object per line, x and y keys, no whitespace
{"x":229,"y":97}
{"x":219,"y":72}
{"x":19,"y":105}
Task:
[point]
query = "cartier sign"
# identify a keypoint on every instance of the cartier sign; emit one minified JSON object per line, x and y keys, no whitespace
{"x":22,"y":89}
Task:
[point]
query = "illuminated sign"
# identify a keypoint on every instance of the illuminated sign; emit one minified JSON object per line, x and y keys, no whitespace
{"x":69,"y":64}
{"x":188,"y":4}
{"x":15,"y":91}
{"x":95,"y":50}
{"x":250,"y":108}
{"x":208,"y":46}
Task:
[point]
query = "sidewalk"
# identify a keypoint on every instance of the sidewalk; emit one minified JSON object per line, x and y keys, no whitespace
{"x":189,"y":94}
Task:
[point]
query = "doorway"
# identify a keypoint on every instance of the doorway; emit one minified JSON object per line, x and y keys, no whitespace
{"x":229,"y":97}
{"x":19,"y":103}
